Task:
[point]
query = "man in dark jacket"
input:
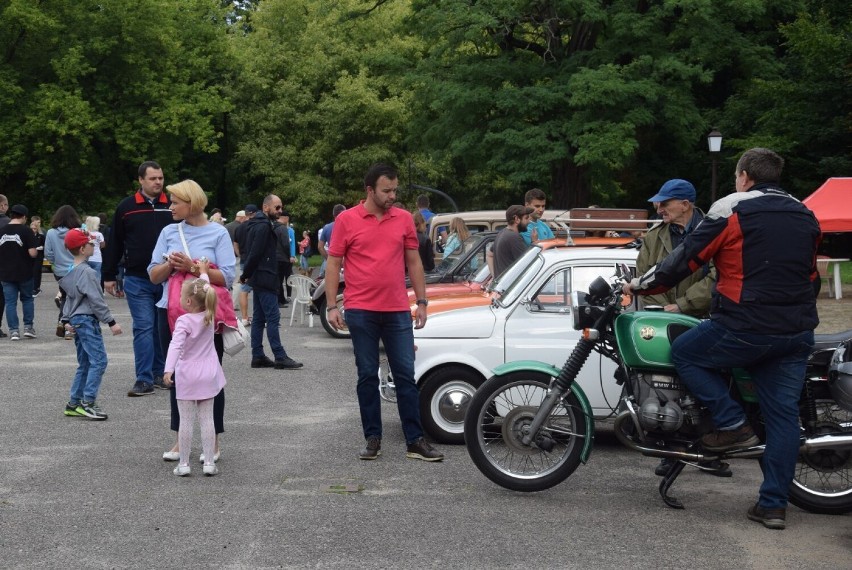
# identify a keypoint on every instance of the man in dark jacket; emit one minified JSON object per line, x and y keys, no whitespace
{"x":136,"y":226}
{"x":260,"y":270}
{"x":762,"y":317}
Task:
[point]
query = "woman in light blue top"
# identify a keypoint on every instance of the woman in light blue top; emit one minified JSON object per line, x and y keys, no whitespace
{"x":203,"y":239}
{"x":458,"y":234}
{"x":57,"y":254}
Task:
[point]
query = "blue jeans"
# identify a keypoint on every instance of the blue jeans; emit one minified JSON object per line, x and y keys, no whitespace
{"x":142,"y":297}
{"x":11,"y":291}
{"x":395,"y":330}
{"x":265,"y":312}
{"x":777,"y":364}
{"x":91,"y":359}
{"x":96,"y":265}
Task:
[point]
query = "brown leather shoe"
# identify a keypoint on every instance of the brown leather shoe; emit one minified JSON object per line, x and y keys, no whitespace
{"x":776,"y":519}
{"x":421,"y":449}
{"x":372,"y":450}
{"x":727,"y":440}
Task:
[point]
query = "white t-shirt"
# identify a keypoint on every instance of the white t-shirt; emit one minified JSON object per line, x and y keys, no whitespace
{"x":96,"y":255}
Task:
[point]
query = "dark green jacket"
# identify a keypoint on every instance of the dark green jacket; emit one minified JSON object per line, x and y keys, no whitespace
{"x":692,"y":294}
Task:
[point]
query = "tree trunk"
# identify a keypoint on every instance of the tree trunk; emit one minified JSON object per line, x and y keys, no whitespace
{"x":569,"y":185}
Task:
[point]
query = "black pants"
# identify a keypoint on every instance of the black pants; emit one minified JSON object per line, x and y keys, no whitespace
{"x":37,"y":270}
{"x":62,"y":296}
{"x":285,"y":270}
{"x":218,"y":401}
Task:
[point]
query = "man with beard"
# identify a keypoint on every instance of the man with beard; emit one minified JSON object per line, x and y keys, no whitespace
{"x":509,"y":245}
{"x":378,"y":242}
{"x":260,"y":270}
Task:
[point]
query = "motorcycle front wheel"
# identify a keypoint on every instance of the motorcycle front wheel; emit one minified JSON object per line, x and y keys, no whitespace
{"x":499,"y":415}
{"x":823,"y":479}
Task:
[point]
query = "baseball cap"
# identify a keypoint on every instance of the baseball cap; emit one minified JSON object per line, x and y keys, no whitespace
{"x":19,"y":210}
{"x":241,"y":213}
{"x":675,"y":188}
{"x":251,"y":209}
{"x":517,"y":210}
{"x":77,"y":238}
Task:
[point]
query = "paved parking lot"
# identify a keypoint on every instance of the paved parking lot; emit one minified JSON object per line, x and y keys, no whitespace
{"x":293,"y":494}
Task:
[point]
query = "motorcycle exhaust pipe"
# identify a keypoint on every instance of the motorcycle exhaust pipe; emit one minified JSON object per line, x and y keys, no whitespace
{"x":829,"y":441}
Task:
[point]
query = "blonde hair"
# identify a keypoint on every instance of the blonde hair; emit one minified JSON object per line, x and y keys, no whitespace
{"x":93,"y":223}
{"x":458,"y":227}
{"x":189,"y":191}
{"x":201,"y":294}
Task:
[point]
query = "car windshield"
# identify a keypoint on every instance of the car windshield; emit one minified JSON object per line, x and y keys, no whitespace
{"x":482,"y":275}
{"x":515,"y":279}
{"x":466,"y":259}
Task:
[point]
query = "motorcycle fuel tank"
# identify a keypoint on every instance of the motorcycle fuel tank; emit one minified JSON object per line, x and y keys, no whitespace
{"x":645,"y":337}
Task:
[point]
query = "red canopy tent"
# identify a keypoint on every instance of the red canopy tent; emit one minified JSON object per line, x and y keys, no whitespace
{"x":832,"y":205}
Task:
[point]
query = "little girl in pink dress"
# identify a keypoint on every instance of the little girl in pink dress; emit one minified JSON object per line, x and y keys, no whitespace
{"x":192,"y":358}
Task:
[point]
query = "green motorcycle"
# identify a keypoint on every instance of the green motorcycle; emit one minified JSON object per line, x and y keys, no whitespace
{"x":530,"y":425}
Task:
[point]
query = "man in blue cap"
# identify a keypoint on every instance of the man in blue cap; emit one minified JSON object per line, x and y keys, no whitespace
{"x":675,"y":204}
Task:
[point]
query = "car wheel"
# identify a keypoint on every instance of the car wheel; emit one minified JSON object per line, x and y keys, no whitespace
{"x":444,"y":397}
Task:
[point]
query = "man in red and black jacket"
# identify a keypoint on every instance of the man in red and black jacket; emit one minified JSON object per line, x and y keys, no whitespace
{"x":135,"y":228}
{"x":763,"y":243}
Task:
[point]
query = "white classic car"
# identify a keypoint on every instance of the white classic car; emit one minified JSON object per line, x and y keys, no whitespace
{"x":528,"y":316}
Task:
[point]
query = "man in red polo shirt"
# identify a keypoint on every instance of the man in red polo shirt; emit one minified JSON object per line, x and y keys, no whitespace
{"x":378,"y":242}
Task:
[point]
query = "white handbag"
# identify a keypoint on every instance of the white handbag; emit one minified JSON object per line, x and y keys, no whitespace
{"x":235,"y":339}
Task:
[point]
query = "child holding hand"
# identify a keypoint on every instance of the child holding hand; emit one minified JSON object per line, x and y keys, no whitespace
{"x":198,"y":376}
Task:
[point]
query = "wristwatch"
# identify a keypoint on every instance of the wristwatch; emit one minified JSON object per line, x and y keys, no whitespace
{"x":424,"y":302}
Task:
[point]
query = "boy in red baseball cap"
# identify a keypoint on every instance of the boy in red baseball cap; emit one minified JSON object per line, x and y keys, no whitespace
{"x":82,"y":314}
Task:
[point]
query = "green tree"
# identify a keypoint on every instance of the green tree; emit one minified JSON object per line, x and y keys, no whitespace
{"x":91,"y":89}
{"x":569,"y":94}
{"x":804,"y":112}
{"x":317,"y":100}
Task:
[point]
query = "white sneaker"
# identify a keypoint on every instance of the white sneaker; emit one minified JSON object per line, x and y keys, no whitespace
{"x":171,"y":455}
{"x":215,"y":457}
{"x":211,"y":470}
{"x":182,"y":470}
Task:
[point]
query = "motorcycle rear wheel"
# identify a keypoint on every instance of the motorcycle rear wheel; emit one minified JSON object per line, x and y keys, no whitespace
{"x":823,"y":479}
{"x":495,"y":422}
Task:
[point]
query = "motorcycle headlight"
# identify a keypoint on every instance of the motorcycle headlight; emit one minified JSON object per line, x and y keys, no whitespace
{"x":584,"y":314}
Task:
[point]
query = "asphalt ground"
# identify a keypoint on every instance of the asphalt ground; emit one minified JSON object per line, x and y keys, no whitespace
{"x":292,"y":493}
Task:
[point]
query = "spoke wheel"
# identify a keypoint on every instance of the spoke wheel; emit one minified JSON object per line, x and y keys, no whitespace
{"x":498,"y":418}
{"x":823,"y":479}
{"x":323,"y":315}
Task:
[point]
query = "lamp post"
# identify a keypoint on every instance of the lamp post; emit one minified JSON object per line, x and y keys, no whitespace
{"x":714,"y":143}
